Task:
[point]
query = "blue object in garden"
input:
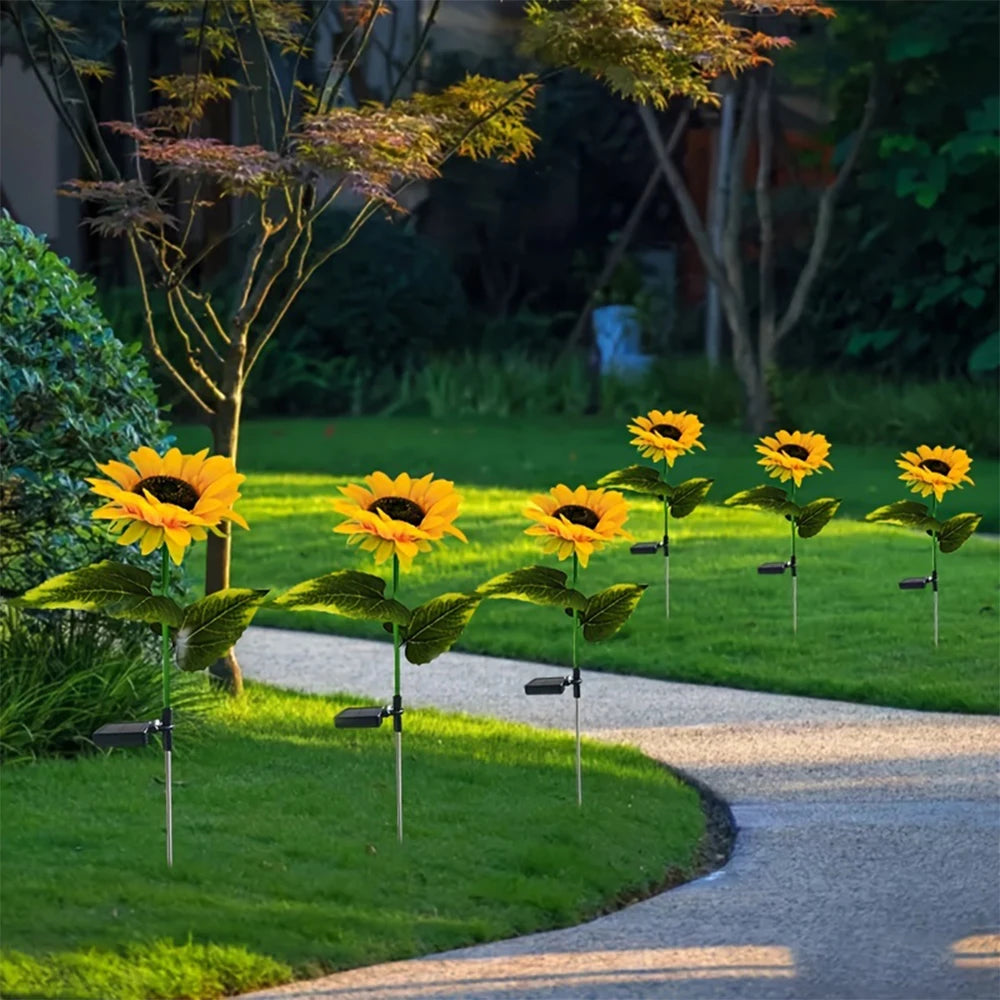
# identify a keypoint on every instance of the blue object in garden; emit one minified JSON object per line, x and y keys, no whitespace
{"x":617,"y":332}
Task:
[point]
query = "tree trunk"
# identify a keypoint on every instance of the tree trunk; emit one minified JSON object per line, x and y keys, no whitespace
{"x":225,"y":439}
{"x":759,"y":409}
{"x":718,"y":198}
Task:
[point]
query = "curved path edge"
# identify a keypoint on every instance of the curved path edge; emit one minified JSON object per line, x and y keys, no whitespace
{"x":867,"y":863}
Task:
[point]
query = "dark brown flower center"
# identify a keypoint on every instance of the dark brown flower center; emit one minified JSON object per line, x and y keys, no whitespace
{"x":794,"y":451}
{"x":400,"y":509}
{"x":667,"y":431}
{"x":936,"y":465}
{"x":576,"y":514}
{"x":167,"y":489}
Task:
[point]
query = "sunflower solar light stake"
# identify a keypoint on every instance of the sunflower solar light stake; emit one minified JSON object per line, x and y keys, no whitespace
{"x":791,"y":455}
{"x":931,"y":471}
{"x":162,"y":502}
{"x":572,"y":523}
{"x":662,"y":435}
{"x":393,"y":519}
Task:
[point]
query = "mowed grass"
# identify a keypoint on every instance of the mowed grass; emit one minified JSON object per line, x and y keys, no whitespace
{"x":286,"y":859}
{"x":859,"y":639}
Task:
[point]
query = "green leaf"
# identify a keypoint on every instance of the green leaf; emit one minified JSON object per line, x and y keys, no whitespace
{"x":436,"y":625}
{"x":537,"y":585}
{"x":688,"y":495}
{"x":154,"y":610}
{"x":637,"y":479}
{"x":609,"y":609}
{"x":114,"y":589}
{"x":906,"y":513}
{"x":212,"y":625}
{"x":347,"y":593}
{"x":973,"y":296}
{"x":769,"y":498}
{"x":957,"y":530}
{"x":816,"y":515}
{"x":986,"y":356}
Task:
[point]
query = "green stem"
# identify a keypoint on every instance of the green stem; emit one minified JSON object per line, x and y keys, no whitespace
{"x":934,"y":540}
{"x":165,"y":657}
{"x":395,"y":630}
{"x":576,"y":614}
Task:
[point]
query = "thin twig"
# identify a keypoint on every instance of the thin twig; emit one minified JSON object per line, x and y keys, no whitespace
{"x":154,"y":343}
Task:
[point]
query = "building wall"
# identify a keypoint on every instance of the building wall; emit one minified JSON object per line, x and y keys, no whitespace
{"x":35,"y":158}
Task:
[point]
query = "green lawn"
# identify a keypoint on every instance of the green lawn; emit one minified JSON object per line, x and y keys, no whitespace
{"x":286,"y":859}
{"x":860,"y":638}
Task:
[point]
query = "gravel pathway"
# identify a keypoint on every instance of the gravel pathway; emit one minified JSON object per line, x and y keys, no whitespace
{"x":867,"y":863}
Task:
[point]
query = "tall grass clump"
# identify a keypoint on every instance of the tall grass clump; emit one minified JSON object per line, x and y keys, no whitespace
{"x":503,"y":384}
{"x":64,"y":675}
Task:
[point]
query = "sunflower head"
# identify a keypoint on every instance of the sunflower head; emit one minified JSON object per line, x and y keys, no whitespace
{"x":577,"y":522}
{"x":666,"y":434}
{"x":400,"y":516}
{"x":794,"y":455}
{"x":170,"y":500}
{"x":935,"y":470}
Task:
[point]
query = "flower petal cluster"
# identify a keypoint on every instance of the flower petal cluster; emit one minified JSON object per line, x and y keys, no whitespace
{"x":399,"y":517}
{"x":794,"y":455}
{"x":666,"y":434}
{"x":935,"y":470}
{"x":577,"y":522}
{"x":170,"y":500}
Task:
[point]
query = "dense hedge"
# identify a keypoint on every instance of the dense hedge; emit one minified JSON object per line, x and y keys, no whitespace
{"x":71,"y":394}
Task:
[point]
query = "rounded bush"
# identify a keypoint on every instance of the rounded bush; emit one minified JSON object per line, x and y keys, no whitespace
{"x":71,"y":395}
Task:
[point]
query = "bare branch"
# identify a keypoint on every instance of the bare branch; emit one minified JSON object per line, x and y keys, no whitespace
{"x":85,"y":151}
{"x":102,"y":149}
{"x":205,"y":301}
{"x":191,"y":353}
{"x":824,"y":216}
{"x":154,"y":343}
{"x":689,"y":213}
{"x":130,"y":88}
{"x":366,"y":212}
{"x":328,"y":92}
{"x":199,"y":50}
{"x":272,"y":75}
{"x":618,"y":248}
{"x":417,"y":51}
{"x":193,"y":320}
{"x":255,"y":124}
{"x":303,"y":44}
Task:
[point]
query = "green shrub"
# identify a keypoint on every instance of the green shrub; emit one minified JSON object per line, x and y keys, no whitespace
{"x":66,"y":674}
{"x":71,"y":394}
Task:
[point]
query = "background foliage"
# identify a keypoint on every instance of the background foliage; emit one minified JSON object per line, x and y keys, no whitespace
{"x":911,"y":287}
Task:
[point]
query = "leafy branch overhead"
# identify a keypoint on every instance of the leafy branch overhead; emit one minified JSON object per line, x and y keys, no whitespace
{"x":651,"y":50}
{"x":949,"y":535}
{"x":600,"y":616}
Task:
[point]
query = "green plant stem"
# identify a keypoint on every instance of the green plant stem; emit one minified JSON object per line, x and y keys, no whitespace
{"x":795,"y":569}
{"x":666,"y":557}
{"x":934,"y":569}
{"x":397,"y":708}
{"x":165,"y":628}
{"x":396,"y":677}
{"x":576,"y":691}
{"x":576,"y":614}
